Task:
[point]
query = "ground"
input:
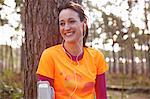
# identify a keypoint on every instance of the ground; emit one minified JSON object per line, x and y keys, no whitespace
{"x":122,"y":81}
{"x":118,"y":95}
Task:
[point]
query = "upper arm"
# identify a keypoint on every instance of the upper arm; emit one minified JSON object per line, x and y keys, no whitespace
{"x":101,"y":63}
{"x":46,"y":65}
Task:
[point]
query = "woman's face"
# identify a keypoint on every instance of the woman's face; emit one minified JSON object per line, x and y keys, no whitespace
{"x":71,"y":28}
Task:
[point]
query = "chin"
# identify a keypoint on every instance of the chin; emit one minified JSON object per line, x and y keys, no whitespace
{"x":70,"y":41}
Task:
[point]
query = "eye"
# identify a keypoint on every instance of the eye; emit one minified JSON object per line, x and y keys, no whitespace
{"x":72,"y":21}
{"x":61,"y":23}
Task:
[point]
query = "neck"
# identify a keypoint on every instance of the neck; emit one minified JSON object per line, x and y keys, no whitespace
{"x":74,"y":49}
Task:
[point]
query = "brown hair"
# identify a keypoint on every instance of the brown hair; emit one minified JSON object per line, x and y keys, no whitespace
{"x":77,"y":8}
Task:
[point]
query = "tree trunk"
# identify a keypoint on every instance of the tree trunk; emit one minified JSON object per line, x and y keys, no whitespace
{"x":126,"y":62}
{"x":41,"y":31}
{"x":133,"y":68}
{"x":11,"y":59}
{"x":22,"y":59}
{"x":149,"y":59}
{"x":1,"y":58}
{"x":147,"y":38}
{"x":114,"y":62}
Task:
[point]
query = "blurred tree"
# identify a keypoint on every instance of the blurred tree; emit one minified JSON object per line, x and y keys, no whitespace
{"x":124,"y":32}
{"x":5,"y":21}
{"x":11,"y":58}
{"x":41,"y":31}
{"x":1,"y":58}
{"x":147,"y":43}
{"x":2,"y":21}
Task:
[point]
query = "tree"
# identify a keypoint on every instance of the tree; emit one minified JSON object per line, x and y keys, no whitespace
{"x":124,"y":32}
{"x":40,"y":19}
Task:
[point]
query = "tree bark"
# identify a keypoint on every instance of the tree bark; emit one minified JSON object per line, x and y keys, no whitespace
{"x":40,"y":19}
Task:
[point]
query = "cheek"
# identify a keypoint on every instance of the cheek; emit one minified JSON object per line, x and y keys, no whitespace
{"x":80,"y":29}
{"x":60,"y":30}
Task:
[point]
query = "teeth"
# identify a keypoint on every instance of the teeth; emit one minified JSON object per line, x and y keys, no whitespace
{"x":68,"y":34}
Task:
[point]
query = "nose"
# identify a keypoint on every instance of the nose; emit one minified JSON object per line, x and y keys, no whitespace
{"x":66,"y":27}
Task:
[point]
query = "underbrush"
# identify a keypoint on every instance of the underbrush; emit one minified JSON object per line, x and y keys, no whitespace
{"x":11,"y":85}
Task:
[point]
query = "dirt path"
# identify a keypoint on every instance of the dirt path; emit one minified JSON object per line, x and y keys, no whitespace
{"x":117,"y":95}
{"x":139,"y":96}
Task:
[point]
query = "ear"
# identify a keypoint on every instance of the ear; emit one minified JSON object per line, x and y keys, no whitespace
{"x":84,"y":23}
{"x":84,"y":29}
{"x":84,"y":26}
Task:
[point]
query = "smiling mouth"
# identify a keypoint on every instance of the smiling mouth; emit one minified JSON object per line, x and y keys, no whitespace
{"x":69,"y":34}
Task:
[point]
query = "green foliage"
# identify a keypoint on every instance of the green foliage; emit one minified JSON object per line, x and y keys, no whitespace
{"x":10,"y":85}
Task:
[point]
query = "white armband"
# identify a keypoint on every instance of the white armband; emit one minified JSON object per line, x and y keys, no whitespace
{"x":44,"y":90}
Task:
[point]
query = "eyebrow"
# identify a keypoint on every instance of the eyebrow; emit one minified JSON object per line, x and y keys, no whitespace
{"x":68,"y":19}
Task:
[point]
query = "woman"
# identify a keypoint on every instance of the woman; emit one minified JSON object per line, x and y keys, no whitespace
{"x":72,"y":69}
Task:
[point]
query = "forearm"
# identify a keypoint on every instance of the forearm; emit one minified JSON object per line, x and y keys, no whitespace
{"x":100,"y":87}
